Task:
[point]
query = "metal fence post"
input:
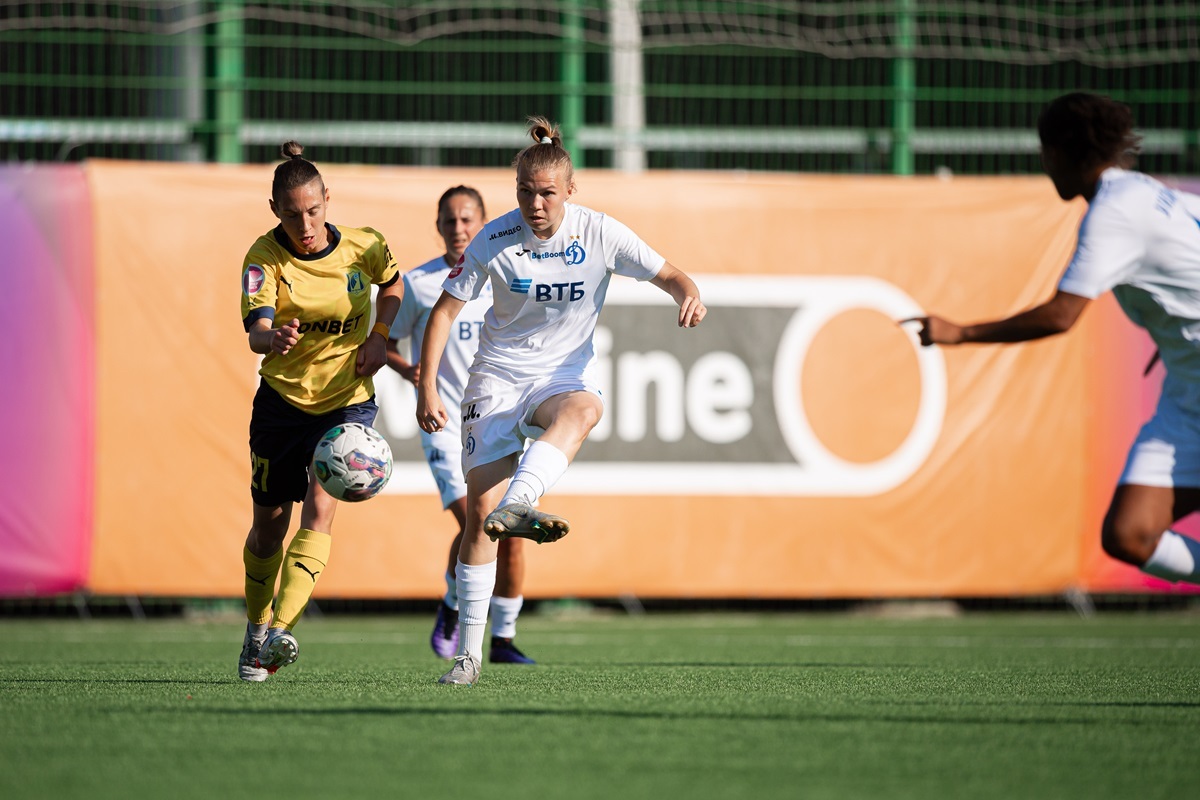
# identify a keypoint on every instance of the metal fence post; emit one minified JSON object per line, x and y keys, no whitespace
{"x":230,"y":74}
{"x":903,"y":88}
{"x":573,"y":80}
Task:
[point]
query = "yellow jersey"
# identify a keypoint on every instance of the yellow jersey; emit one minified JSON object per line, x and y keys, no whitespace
{"x":330,"y":293}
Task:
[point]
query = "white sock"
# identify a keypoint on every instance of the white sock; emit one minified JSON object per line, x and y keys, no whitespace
{"x":505,"y":611}
{"x":1174,"y":559}
{"x":475,"y":585}
{"x":451,"y":596}
{"x":540,"y":468}
{"x":257,"y":629}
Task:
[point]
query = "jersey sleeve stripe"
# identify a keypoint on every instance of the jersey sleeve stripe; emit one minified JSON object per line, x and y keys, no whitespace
{"x":263,"y":312}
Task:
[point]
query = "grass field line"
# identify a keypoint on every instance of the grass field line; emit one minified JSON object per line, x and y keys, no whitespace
{"x":324,"y":635}
{"x":1028,"y":642}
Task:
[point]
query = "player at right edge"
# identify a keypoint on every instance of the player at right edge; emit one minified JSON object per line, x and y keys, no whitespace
{"x":1140,"y":239}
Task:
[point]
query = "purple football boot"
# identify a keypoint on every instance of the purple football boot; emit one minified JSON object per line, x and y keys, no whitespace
{"x":505,"y":652}
{"x":444,"y":639}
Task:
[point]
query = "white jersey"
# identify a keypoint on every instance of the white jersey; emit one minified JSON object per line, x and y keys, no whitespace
{"x":1142,"y":240}
{"x":422,"y":288}
{"x":547,"y":293}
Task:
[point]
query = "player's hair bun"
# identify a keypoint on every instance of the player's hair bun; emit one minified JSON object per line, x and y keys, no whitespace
{"x":292,"y":149}
{"x":295,"y":170}
{"x":543,"y":131}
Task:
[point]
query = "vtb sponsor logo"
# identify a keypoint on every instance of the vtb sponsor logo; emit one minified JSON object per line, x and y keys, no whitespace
{"x":571,"y":291}
{"x":729,"y":407}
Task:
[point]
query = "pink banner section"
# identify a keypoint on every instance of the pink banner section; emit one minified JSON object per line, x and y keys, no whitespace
{"x":46,"y":301}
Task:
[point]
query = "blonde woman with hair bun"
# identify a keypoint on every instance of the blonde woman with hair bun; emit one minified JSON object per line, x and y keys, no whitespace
{"x":548,"y":263}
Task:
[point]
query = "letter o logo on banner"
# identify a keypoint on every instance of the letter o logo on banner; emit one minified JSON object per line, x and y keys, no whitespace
{"x":831,"y":474}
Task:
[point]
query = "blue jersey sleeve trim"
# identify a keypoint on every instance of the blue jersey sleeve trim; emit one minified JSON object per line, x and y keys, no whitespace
{"x":259,"y":313}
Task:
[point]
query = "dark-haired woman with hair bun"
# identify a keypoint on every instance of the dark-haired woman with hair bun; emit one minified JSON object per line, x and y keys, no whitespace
{"x":1140,"y":239}
{"x":306,"y":307}
{"x":460,"y":216}
{"x":548,"y":264}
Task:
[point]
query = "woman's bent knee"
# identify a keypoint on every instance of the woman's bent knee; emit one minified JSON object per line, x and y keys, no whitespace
{"x":1130,"y":544}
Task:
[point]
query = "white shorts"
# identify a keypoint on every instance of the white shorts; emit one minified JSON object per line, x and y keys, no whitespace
{"x":497,"y":411}
{"x":443,"y":453}
{"x":1166,"y":452}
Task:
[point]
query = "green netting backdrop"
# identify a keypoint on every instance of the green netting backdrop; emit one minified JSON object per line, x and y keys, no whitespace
{"x":901,"y":86}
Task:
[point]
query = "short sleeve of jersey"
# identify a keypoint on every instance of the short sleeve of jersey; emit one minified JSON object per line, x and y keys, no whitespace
{"x":1191,"y":204}
{"x":406,"y":317}
{"x":260,"y":285}
{"x":1109,"y":249}
{"x":379,"y":258}
{"x":468,"y":277}
{"x":631,"y":257}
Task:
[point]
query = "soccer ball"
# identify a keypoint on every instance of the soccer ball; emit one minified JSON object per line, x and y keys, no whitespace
{"x":352,"y":462}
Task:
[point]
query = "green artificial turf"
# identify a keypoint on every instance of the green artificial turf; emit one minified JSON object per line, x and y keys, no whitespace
{"x":666,"y":705}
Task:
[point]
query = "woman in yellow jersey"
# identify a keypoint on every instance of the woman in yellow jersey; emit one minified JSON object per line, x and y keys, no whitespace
{"x":306,"y":306}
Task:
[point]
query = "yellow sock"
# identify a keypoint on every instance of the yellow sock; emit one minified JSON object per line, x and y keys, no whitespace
{"x":304,"y":563}
{"x":260,"y":584}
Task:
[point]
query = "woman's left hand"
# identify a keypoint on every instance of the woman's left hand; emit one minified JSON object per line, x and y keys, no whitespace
{"x":372,"y":354}
{"x":691,"y":312}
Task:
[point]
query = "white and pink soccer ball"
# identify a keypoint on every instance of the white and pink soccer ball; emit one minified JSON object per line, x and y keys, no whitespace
{"x":353,"y":462}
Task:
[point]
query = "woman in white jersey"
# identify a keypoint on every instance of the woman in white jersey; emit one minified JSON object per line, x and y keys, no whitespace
{"x":461,"y":215}
{"x":548,"y":263}
{"x":1142,"y":240}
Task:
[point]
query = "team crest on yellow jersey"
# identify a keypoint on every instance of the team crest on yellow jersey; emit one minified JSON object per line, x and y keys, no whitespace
{"x":355,"y":283}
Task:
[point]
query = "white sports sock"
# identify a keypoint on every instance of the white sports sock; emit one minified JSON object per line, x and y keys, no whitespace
{"x":257,"y":629}
{"x":451,"y":596}
{"x":540,"y":468}
{"x":505,"y":611}
{"x":1174,"y":559}
{"x":476,"y":582}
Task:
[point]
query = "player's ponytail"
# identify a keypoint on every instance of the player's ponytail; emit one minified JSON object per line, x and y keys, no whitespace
{"x":295,"y":171}
{"x":546,"y":152}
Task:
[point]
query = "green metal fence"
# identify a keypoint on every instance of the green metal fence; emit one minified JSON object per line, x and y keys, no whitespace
{"x":900,"y":86}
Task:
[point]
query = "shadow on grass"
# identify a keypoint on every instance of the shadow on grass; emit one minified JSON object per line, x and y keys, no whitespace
{"x":122,"y":681}
{"x":737,"y":664}
{"x":798,"y":717}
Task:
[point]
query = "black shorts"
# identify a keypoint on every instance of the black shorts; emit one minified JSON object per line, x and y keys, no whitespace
{"x":282,"y":440}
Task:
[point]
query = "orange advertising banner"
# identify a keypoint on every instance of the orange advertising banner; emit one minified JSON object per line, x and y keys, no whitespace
{"x":798,"y":444}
